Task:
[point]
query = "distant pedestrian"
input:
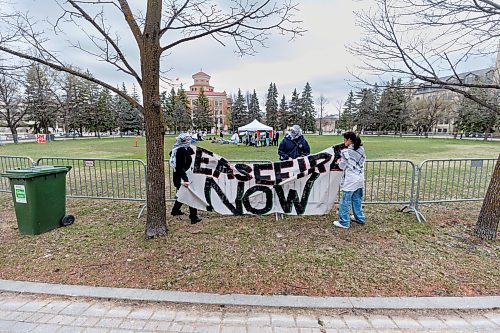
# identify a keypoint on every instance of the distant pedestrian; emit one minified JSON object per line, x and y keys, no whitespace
{"x":276,"y":138}
{"x":180,"y":160}
{"x":352,"y":161}
{"x":221,"y":135}
{"x":294,"y":145}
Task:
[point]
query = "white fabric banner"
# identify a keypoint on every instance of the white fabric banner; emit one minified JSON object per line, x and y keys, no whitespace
{"x":305,"y":186}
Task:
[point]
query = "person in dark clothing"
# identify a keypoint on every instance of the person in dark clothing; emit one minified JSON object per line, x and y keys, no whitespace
{"x":180,"y":160}
{"x":276,"y":138}
{"x":293,"y":145}
{"x":221,"y":135}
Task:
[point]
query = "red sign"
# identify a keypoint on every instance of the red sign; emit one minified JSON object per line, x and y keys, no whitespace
{"x":41,"y":138}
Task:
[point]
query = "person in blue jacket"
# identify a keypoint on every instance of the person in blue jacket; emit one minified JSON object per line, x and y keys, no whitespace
{"x":293,"y":145}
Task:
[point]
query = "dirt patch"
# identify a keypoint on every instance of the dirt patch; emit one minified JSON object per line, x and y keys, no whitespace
{"x":393,"y":255}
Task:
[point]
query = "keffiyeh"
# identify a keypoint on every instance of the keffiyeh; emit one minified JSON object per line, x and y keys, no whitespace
{"x":295,"y":132}
{"x":183,"y":140}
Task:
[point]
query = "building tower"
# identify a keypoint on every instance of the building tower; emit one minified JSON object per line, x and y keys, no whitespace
{"x":218,"y":101}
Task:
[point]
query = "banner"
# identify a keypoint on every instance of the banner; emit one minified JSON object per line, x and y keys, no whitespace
{"x":305,"y":186}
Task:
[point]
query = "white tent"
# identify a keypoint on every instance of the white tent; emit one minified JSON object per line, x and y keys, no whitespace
{"x":254,"y":126}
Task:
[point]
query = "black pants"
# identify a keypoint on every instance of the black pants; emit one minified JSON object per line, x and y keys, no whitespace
{"x":193,"y":212}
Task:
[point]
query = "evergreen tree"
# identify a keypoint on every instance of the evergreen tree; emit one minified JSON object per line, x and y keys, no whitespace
{"x":202,"y":118}
{"x":69,"y":109}
{"x":121,"y":108}
{"x":182,"y":117}
{"x":239,"y":113}
{"x":307,"y":111}
{"x":77,"y":116}
{"x":90,"y":107}
{"x":346,"y":120}
{"x":253,"y":107}
{"x":168,"y":104}
{"x":130,"y":119}
{"x":272,"y":116}
{"x":283,"y":114}
{"x":40,"y":100}
{"x":473,"y":117}
{"x":391,"y":114}
{"x":377,"y":118}
{"x":105,"y":112}
{"x":294,"y":114}
{"x":365,"y":108}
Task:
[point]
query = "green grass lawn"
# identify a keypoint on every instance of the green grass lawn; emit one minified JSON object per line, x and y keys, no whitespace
{"x":414,"y":149}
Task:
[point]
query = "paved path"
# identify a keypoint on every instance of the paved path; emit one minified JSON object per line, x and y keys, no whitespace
{"x":57,"y":314}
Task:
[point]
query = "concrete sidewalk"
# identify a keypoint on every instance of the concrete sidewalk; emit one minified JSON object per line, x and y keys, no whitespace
{"x":21,"y":313}
{"x":486,"y":302}
{"x":40,"y":307}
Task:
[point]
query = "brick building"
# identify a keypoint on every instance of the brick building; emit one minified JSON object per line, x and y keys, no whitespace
{"x":218,"y":101}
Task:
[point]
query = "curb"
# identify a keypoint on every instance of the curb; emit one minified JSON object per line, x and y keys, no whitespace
{"x":456,"y":303}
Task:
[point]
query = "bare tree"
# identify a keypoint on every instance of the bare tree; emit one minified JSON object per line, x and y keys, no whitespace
{"x":427,"y":112}
{"x":421,"y":39}
{"x":11,"y":110}
{"x":158,"y":27}
{"x":489,"y":217}
{"x":322,"y":101}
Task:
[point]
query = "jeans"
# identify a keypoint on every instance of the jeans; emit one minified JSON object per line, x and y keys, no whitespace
{"x":348,"y":199}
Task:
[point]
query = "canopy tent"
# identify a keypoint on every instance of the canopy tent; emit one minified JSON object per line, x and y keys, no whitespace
{"x":254,"y":126}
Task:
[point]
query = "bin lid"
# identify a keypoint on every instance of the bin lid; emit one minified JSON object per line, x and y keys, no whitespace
{"x":35,"y":171}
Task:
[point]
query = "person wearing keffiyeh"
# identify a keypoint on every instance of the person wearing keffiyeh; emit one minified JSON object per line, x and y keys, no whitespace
{"x":294,"y":145}
{"x":180,"y":160}
{"x":352,"y":161}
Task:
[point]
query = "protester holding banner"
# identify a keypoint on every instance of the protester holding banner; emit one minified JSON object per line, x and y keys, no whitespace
{"x":180,"y":160}
{"x":294,"y":145}
{"x":353,"y":163}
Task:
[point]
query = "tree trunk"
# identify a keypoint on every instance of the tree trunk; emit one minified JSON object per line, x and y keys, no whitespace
{"x":487,"y":223}
{"x":13,"y":131}
{"x":156,"y":221}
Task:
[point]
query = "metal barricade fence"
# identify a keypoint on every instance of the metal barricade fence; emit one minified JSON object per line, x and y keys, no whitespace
{"x":389,"y":182}
{"x":170,"y":190}
{"x":12,"y":162}
{"x":457,"y":179}
{"x":99,"y":178}
{"x":386,"y":181}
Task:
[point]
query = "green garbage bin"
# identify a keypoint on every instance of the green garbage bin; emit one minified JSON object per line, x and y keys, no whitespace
{"x":39,"y":195}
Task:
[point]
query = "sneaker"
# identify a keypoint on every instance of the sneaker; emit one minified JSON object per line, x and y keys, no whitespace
{"x":340,"y":225}
{"x":178,"y":213}
{"x":195,"y":220}
{"x":353,"y":219}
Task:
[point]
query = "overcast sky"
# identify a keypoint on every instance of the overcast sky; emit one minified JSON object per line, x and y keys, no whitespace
{"x":319,"y":57}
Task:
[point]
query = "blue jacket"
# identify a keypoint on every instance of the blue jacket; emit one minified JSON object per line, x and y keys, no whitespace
{"x":293,"y":148}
